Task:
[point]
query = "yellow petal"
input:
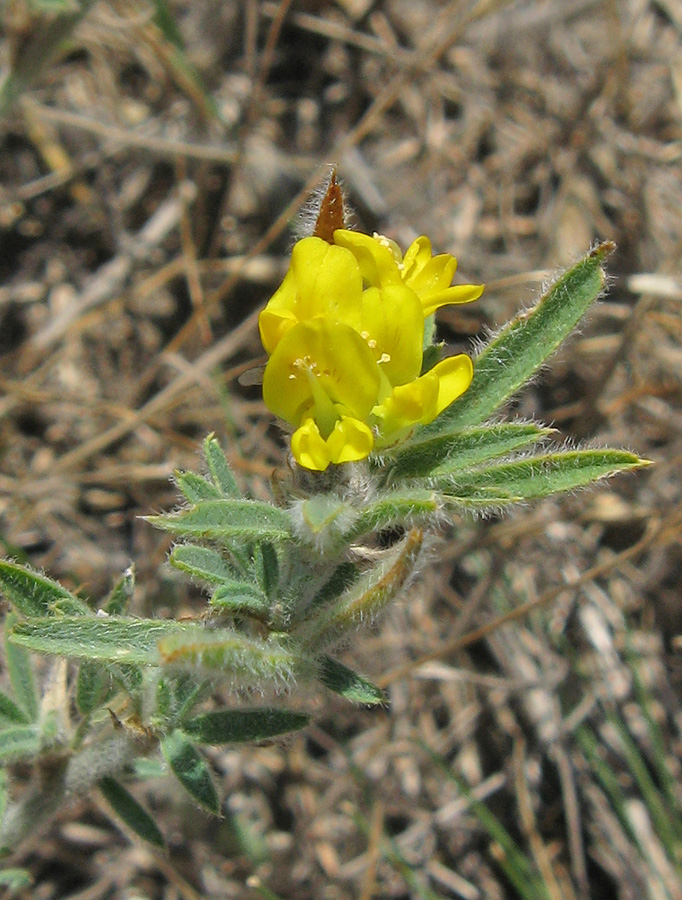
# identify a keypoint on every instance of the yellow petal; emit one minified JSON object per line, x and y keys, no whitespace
{"x":377,"y":263}
{"x":280,"y":313}
{"x":407,"y":406}
{"x":350,"y":441}
{"x":458,"y":293}
{"x":454,"y":377}
{"x":309,"y":447}
{"x":431,"y":277}
{"x":322,"y":281}
{"x":420,"y":401}
{"x":393,"y":324}
{"x":417,"y":255}
{"x":320,"y":358}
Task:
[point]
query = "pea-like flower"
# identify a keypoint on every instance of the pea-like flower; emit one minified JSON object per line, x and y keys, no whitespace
{"x":345,"y":335}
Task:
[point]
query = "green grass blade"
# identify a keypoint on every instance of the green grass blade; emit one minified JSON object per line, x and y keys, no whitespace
{"x":670,"y":788}
{"x":592,"y":750}
{"x":662,"y":817}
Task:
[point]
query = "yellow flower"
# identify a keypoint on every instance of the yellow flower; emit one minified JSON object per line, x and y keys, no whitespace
{"x":345,"y":333}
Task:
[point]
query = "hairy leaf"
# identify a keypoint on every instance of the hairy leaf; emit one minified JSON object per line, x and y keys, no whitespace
{"x":396,"y":508}
{"x":223,"y":476}
{"x":115,"y":639}
{"x":461,"y":450}
{"x":10,"y":712}
{"x":344,"y":681}
{"x":19,"y":742}
{"x":523,"y":345}
{"x":365,"y":598}
{"x":119,"y":596}
{"x":241,"y":596}
{"x":232,"y":654}
{"x":191,"y":770}
{"x":195,"y":487}
{"x":130,"y":812}
{"x":20,"y":668}
{"x":236,"y":726}
{"x":203,"y":563}
{"x":226,"y":520}
{"x":92,"y":687}
{"x":537,"y":476}
{"x":31,"y":593}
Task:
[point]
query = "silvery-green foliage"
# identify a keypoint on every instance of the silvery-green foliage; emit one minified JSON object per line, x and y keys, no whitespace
{"x":285,"y":581}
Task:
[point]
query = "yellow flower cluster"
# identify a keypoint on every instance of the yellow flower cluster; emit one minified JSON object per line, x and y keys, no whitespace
{"x":345,"y":333}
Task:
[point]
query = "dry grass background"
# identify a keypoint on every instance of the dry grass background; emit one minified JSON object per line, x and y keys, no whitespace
{"x":147,"y":178}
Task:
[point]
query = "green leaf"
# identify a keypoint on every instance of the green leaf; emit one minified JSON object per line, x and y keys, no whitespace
{"x":119,"y":596}
{"x":267,"y":567}
{"x":341,"y":579}
{"x":397,"y":508}
{"x":146,"y":768}
{"x":233,"y":655}
{"x":225,"y":520}
{"x":10,"y":712}
{"x":31,"y":593}
{"x":521,"y":347}
{"x":536,"y":476}
{"x":344,"y":681}
{"x":20,"y":670}
{"x":321,"y":511}
{"x":191,"y":770}
{"x":236,"y":726}
{"x":223,"y":476}
{"x":195,"y":487}
{"x":71,"y":606}
{"x":461,"y":450}
{"x":130,"y":812}
{"x":4,"y":796}
{"x":114,"y":639}
{"x":372,"y":591}
{"x":241,"y":596}
{"x":130,"y":679}
{"x":178,"y":693}
{"x":19,"y":742}
{"x":15,"y":880}
{"x":203,"y":563}
{"x":92,"y":687}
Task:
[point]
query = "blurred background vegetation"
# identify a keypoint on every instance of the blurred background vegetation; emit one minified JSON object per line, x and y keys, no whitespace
{"x":153,"y":157}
